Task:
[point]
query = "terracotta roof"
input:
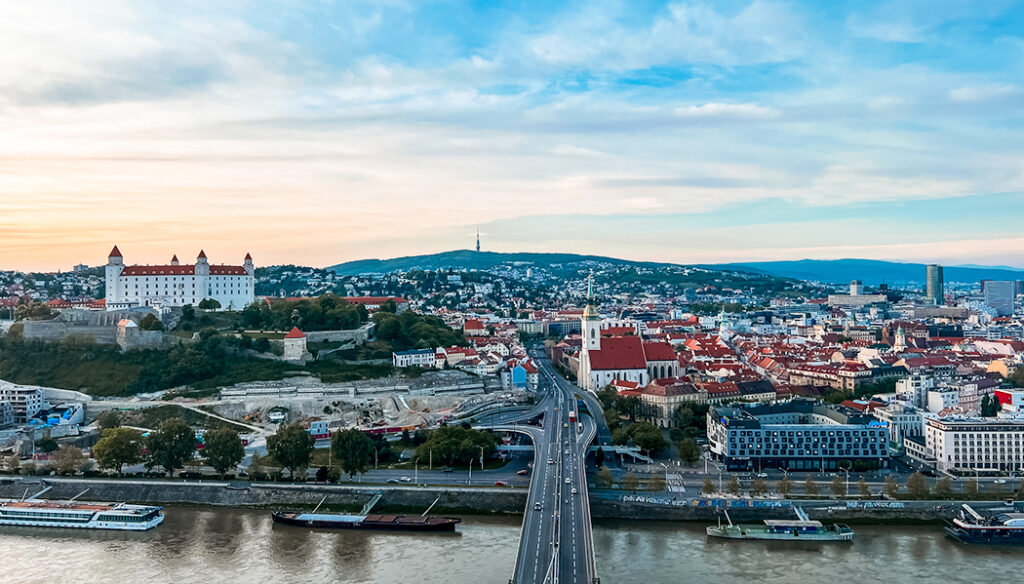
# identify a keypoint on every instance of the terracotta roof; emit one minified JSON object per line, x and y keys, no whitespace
{"x":373,"y":299}
{"x":202,"y":254}
{"x":659,"y":352}
{"x":115,"y":253}
{"x":169,"y":270}
{"x":175,"y":258}
{"x":295,"y":334}
{"x":248,"y":256}
{"x":618,"y":353}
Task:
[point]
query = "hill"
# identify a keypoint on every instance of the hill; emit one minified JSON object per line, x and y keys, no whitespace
{"x":470,"y":260}
{"x":871,"y":272}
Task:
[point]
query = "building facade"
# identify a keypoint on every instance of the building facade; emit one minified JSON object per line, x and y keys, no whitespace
{"x":26,"y":401}
{"x":798,"y":435}
{"x":1000,"y":296}
{"x":177,"y":285}
{"x":414,"y":358}
{"x":935,"y":290}
{"x":973,"y":445}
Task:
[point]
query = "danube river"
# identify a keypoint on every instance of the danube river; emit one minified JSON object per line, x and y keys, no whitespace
{"x":210,"y":546}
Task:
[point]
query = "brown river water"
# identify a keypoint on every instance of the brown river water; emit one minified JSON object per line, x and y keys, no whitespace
{"x":212,"y":546}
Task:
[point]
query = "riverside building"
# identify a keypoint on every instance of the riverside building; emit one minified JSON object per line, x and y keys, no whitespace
{"x":798,"y":435}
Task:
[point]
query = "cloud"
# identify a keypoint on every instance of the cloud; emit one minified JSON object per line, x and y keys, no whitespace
{"x":981,"y":93}
{"x":727,"y":110}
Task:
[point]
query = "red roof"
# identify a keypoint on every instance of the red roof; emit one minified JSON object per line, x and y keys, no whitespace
{"x":202,"y":254}
{"x":182,"y":271}
{"x":370,"y":299}
{"x":175,"y":258}
{"x":115,"y":253}
{"x":659,"y":352}
{"x":295,"y":334}
{"x":248,"y":256}
{"x":618,"y":331}
{"x":618,"y":353}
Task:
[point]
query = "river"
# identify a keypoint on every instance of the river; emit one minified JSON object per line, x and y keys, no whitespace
{"x":214,"y":545}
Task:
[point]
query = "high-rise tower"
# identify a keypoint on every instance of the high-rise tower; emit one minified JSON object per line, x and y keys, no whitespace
{"x":934,"y":288}
{"x":478,"y":240}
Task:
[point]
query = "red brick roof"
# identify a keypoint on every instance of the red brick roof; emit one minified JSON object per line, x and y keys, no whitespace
{"x":618,"y":353}
{"x":181,"y":271}
{"x":295,"y":333}
{"x":115,"y":253}
{"x":659,"y":352}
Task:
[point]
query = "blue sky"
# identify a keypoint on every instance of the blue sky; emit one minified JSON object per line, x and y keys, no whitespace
{"x":318,"y":132}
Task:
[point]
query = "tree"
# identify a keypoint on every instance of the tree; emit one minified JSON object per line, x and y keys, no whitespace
{"x":785,"y":486}
{"x":47,"y":445}
{"x":708,"y":488}
{"x":188,"y":313}
{"x":892,"y":488}
{"x":630,"y":482}
{"x":837,"y":486}
{"x":682,"y":417}
{"x":604,"y":478}
{"x":171,"y":445}
{"x":209,"y":304}
{"x":657,"y":483}
{"x":599,"y":457}
{"x":734,"y":486}
{"x":862,"y":488}
{"x":223,"y":449}
{"x":291,"y":446}
{"x":689,"y":452}
{"x":647,"y":436}
{"x":916,"y":486}
{"x":620,"y":436}
{"x":944,"y":487}
{"x":69,"y":460}
{"x":759,"y":487}
{"x":971,"y":488}
{"x":676,"y":434}
{"x":388,"y":306}
{"x":457,"y":445}
{"x":151,"y":323}
{"x":118,"y":447}
{"x":810,"y":487}
{"x":12,"y":463}
{"x":261,"y":345}
{"x":108,"y":419}
{"x":353,"y":450}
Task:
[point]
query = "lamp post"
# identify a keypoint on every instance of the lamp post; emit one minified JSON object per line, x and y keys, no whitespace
{"x":665,"y":466}
{"x":416,"y":471}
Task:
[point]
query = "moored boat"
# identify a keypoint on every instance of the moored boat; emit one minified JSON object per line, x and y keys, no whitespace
{"x":969,"y":526}
{"x":364,"y":520}
{"x":800,"y":529}
{"x":34,"y":512}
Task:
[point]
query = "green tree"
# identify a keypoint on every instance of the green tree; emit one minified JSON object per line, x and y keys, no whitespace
{"x":682,"y":417}
{"x":734,"y":486}
{"x":647,"y":436}
{"x":891,"y":488}
{"x":223,"y":449}
{"x":657,"y":483}
{"x":604,"y":478}
{"x":457,"y":445}
{"x":689,"y":451}
{"x":188,"y":313}
{"x":863,"y":488}
{"x":917,"y":486}
{"x":944,"y":487}
{"x":171,"y":445}
{"x":209,"y":304}
{"x":261,"y":345}
{"x":291,"y":446}
{"x":353,"y":450}
{"x":620,"y":436}
{"x":151,"y":323}
{"x":388,"y":306}
{"x":837,"y":486}
{"x":47,"y":445}
{"x":971,"y":488}
{"x":810,"y":487}
{"x":708,"y":488}
{"x":785,"y":486}
{"x":630,"y":482}
{"x":69,"y":460}
{"x":118,"y":447}
{"x":108,"y":419}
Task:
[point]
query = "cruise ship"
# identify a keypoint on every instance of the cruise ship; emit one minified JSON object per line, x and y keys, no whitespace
{"x":799,"y":529}
{"x":35,"y":512}
{"x":972,"y":527}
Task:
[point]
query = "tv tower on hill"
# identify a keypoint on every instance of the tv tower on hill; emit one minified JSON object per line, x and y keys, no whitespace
{"x":478,"y":240}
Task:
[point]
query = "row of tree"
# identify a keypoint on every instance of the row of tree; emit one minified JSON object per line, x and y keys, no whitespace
{"x":169,"y":447}
{"x":327,"y":312}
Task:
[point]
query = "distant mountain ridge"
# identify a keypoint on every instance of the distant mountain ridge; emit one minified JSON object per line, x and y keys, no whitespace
{"x":873,"y":272}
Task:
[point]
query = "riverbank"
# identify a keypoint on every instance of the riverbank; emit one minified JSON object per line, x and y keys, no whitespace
{"x":473,"y":500}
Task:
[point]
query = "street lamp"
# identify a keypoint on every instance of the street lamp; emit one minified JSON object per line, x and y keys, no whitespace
{"x":666,"y":474}
{"x":416,"y":471}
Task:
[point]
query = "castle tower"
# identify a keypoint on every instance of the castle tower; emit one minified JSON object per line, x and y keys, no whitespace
{"x":174,"y":260}
{"x":115,"y":264}
{"x":591,"y":325}
{"x":247,"y":264}
{"x":900,"y":343}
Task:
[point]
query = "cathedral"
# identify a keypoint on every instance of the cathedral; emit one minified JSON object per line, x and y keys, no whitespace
{"x":177,"y":285}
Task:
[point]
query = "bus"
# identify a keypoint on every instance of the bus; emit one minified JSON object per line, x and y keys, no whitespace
{"x":572,"y":416}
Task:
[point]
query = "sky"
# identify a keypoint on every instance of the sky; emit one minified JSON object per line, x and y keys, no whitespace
{"x":319,"y":132}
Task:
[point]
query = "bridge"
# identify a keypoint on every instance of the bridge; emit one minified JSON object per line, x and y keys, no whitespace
{"x":556,"y":544}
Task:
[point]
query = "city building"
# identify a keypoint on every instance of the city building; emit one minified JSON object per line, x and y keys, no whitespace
{"x":904,"y":422}
{"x":175,"y":284}
{"x":975,"y":445}
{"x":1000,"y":296}
{"x":414,"y":358}
{"x":6,"y":414}
{"x":796,"y":435}
{"x":295,"y":346}
{"x":26,"y":401}
{"x":934,"y":287}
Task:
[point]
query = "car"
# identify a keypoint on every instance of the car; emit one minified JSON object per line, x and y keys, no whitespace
{"x":999,"y":481}
{"x":523,"y":472}
{"x":500,"y":484}
{"x":568,"y":480}
{"x":406,"y":479}
{"x":566,"y":425}
{"x":537,"y":506}
{"x":762,"y":475}
{"x":551,"y":461}
{"x":447,"y":469}
{"x":393,"y":481}
{"x":574,"y":491}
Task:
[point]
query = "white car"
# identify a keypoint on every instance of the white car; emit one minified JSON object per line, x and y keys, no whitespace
{"x":568,"y":480}
{"x":574,"y":491}
{"x":762,"y":475}
{"x":551,"y":461}
{"x":406,"y":480}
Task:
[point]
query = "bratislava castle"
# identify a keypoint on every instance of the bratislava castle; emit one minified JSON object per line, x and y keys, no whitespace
{"x":177,"y":285}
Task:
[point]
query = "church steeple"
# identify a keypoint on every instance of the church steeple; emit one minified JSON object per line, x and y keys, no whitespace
{"x":591,"y":325}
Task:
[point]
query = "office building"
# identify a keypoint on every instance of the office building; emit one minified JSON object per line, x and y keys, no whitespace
{"x":934,"y":286}
{"x":975,"y":445}
{"x":1000,"y":296}
{"x":796,"y":435}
